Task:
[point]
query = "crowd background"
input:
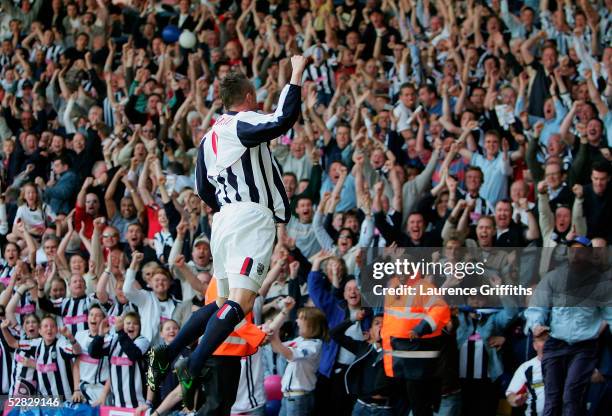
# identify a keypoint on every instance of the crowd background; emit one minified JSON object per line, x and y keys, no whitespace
{"x":424,"y":123}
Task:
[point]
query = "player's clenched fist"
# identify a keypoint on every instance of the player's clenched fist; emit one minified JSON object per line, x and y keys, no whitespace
{"x":298,"y":63}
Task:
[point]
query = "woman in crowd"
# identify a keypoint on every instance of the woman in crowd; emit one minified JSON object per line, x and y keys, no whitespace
{"x":92,"y":372}
{"x":126,"y":349}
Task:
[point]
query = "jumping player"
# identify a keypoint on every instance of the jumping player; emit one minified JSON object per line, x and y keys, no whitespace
{"x":237,"y":176}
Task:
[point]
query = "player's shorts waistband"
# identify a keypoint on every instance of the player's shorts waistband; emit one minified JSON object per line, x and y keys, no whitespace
{"x":246,"y":206}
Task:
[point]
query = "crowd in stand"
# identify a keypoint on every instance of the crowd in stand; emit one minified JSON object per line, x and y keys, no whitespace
{"x":424,"y":123}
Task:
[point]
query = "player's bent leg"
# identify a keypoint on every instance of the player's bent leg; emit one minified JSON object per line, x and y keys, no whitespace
{"x":220,"y":326}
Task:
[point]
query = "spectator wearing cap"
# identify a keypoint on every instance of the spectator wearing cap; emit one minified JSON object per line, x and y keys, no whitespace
{"x":570,"y":352}
{"x":200,"y":258}
{"x":59,"y":191}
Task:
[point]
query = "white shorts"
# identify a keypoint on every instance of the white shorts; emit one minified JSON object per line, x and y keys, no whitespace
{"x":241,"y":245}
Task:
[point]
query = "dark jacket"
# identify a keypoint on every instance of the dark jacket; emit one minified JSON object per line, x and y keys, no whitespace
{"x":365,"y":377}
{"x":60,"y":196}
{"x":335,"y":311}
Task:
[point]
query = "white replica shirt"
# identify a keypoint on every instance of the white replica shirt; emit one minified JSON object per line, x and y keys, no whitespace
{"x":301,"y":371}
{"x":529,"y":377}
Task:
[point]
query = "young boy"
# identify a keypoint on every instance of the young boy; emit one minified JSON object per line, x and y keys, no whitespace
{"x":527,"y":385}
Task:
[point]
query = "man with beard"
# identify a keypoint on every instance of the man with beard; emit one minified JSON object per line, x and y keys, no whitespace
{"x":572,"y":303}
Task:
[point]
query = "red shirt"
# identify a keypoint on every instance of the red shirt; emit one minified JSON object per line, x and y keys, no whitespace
{"x":80,"y":216}
{"x":154,"y":226}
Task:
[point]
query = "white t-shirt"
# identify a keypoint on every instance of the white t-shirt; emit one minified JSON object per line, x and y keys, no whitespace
{"x":301,"y":371}
{"x":529,"y":374}
{"x":35,"y":220}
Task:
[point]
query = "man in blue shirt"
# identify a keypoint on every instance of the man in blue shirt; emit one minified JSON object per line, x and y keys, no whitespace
{"x":575,"y":321}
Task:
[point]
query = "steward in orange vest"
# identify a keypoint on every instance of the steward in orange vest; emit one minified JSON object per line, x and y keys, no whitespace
{"x":247,"y":337}
{"x":411,"y":341}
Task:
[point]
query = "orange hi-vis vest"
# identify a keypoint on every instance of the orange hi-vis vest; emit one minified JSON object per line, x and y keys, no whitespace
{"x":405,"y":313}
{"x":246,"y":338}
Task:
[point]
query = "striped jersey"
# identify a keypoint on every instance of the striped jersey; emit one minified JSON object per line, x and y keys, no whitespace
{"x":54,"y":368}
{"x":6,"y":360}
{"x":24,"y":377}
{"x":92,"y":370}
{"x":126,"y":366}
{"x":528,"y":377}
{"x":73,"y":311}
{"x":234,"y":161}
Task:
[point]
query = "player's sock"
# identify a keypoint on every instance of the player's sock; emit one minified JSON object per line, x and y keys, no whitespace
{"x":192,"y":330}
{"x":219,"y":327}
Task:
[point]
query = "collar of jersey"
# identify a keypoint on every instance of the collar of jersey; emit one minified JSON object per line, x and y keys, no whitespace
{"x":231,"y":113}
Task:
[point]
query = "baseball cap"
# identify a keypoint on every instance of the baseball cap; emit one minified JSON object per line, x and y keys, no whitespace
{"x":582,"y":240}
{"x":201,"y":239}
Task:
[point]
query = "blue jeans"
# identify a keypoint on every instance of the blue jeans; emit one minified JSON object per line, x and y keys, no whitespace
{"x":450,"y":405}
{"x":363,"y":410}
{"x":298,"y":405}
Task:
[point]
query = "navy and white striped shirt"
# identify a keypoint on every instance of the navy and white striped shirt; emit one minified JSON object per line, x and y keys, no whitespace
{"x":235,"y":163}
{"x":73,"y":311}
{"x":6,"y":361}
{"x":54,"y":368}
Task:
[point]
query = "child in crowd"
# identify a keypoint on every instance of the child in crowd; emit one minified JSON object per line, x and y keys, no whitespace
{"x":303,"y":354}
{"x":23,"y":379}
{"x":526,"y":389}
{"x":54,"y":357}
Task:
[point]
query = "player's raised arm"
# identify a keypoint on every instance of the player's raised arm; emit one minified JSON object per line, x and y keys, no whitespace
{"x":205,"y":190}
{"x":254,"y":128}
